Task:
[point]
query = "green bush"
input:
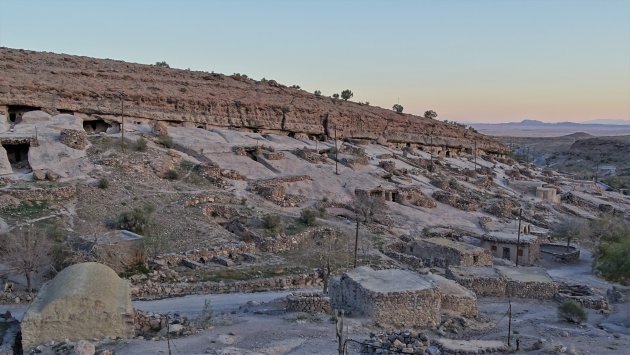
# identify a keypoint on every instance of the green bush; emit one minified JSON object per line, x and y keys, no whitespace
{"x":137,"y":220}
{"x":398,"y":108}
{"x":166,"y":141}
{"x":346,"y":94}
{"x":613,"y":262}
{"x":140,"y":145}
{"x":171,"y":174}
{"x":103,"y":183}
{"x":308,"y":217}
{"x":317,"y":93}
{"x":162,"y":64}
{"x":572,"y":311}
{"x":272,"y":223}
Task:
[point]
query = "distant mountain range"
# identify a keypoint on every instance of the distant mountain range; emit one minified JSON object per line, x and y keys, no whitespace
{"x":534,"y":128}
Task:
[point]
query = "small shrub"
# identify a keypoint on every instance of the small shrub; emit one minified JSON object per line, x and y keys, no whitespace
{"x":453,"y":183}
{"x":346,"y":94}
{"x":137,"y":220}
{"x":286,"y":109}
{"x":103,"y":183}
{"x":317,"y":93}
{"x":272,"y":223}
{"x":162,"y":64}
{"x":322,"y":211}
{"x":244,"y":201}
{"x":398,"y":108}
{"x":572,"y":311}
{"x":166,"y":141}
{"x":171,"y":174}
{"x":335,"y":96}
{"x":140,"y":145}
{"x":308,"y":217}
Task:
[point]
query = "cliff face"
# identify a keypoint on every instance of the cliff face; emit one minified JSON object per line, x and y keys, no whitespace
{"x":89,"y":86}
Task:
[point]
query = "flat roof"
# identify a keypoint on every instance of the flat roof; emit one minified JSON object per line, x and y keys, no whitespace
{"x":389,"y":280}
{"x":524,"y":274}
{"x":448,"y":243}
{"x":509,"y":237}
{"x":474,"y":272}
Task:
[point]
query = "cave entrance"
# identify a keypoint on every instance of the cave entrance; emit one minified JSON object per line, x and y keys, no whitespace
{"x":17,"y":111}
{"x":96,"y":126}
{"x":17,"y":153}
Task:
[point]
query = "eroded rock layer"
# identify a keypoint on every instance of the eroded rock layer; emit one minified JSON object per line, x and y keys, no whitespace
{"x":92,"y":87}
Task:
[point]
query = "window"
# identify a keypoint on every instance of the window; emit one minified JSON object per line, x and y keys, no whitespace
{"x":475,"y":259}
{"x":520,"y":252}
{"x":493,"y":248}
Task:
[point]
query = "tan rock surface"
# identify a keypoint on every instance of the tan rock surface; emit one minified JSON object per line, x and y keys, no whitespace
{"x":89,"y":86}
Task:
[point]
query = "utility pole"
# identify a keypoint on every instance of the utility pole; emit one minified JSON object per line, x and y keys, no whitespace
{"x":356,"y":240}
{"x":475,"y":152}
{"x":510,"y":323}
{"x":336,"y":153}
{"x":122,"y":124}
{"x":518,"y":238}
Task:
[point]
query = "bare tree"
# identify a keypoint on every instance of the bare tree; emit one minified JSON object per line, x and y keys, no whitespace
{"x":365,"y":207}
{"x":330,"y":250}
{"x":27,"y":251}
{"x":572,"y":229}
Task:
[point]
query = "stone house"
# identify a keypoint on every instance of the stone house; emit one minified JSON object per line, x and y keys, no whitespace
{"x":507,"y":245}
{"x":400,"y":298}
{"x":548,"y":194}
{"x":503,"y":281}
{"x":443,"y":252}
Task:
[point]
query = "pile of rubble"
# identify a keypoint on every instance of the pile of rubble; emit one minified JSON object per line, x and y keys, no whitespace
{"x":155,"y":326}
{"x":451,"y":199}
{"x":311,"y":156}
{"x":406,"y":342}
{"x":582,"y":294}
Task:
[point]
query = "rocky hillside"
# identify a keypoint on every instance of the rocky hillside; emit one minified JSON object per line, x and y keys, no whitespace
{"x":93,"y":87}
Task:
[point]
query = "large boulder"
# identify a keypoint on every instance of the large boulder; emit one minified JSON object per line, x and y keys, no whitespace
{"x":35,"y":117}
{"x":5,"y":165}
{"x":84,"y":301}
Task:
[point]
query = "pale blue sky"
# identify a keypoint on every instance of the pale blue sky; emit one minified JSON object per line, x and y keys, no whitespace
{"x":475,"y":60}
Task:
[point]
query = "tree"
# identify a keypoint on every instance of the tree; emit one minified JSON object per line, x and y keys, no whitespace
{"x":430,"y":114}
{"x":398,"y":108}
{"x":335,"y":96}
{"x":571,"y":229}
{"x":346,"y":94}
{"x":27,"y":251}
{"x":365,"y":207}
{"x":317,"y":93}
{"x":162,"y":64}
{"x":330,"y":251}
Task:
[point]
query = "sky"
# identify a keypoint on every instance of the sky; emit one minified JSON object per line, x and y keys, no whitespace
{"x":470,"y":61}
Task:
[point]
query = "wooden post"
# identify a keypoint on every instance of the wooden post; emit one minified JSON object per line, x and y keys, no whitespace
{"x":122,"y":123}
{"x":475,"y":155}
{"x":510,"y":324}
{"x":336,"y":153}
{"x":356,"y":241}
{"x":518,"y":238}
{"x":339,"y":330}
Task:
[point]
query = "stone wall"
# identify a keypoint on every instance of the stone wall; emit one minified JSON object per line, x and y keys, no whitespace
{"x":483,"y":286}
{"x":43,"y":194}
{"x":309,"y":302}
{"x":439,"y":252}
{"x":395,"y":251}
{"x":157,"y":290}
{"x":74,"y":138}
{"x":559,"y":252}
{"x":532,"y":289}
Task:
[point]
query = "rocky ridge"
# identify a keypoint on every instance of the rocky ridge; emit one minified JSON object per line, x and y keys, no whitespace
{"x":91,"y":88}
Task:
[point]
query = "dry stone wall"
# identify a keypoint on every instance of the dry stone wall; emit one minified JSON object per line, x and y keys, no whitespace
{"x":309,"y":302}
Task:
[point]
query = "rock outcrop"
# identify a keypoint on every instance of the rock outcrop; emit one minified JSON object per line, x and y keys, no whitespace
{"x":84,"y":301}
{"x":91,"y":88}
